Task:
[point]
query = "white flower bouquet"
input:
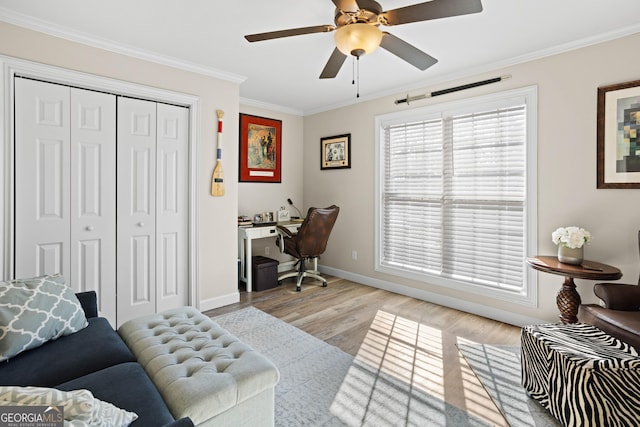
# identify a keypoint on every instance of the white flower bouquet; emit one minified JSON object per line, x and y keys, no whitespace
{"x":571,"y":237}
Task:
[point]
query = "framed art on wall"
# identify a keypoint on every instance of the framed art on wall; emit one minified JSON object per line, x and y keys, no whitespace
{"x":260,"y":149}
{"x":335,"y":152}
{"x":618,"y":131}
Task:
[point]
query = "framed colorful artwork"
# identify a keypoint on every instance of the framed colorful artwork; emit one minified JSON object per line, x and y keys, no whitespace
{"x":260,"y":149}
{"x":335,"y":152}
{"x":618,"y":131}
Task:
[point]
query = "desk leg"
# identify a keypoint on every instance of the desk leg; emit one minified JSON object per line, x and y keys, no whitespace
{"x":568,"y":301}
{"x":241,"y":274}
{"x":248,"y":266}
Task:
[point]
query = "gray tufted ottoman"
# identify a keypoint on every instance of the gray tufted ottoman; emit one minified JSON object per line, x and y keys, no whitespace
{"x":201,"y":370}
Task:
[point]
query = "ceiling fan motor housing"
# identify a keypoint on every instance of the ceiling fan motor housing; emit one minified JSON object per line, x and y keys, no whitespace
{"x":363,"y":16}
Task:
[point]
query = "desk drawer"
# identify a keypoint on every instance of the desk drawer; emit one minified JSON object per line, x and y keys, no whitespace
{"x":260,"y":232}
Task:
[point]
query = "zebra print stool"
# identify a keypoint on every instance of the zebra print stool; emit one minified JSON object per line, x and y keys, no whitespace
{"x":582,"y":375}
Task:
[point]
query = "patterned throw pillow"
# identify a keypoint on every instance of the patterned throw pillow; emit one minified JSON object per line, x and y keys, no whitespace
{"x":36,"y":310}
{"x":79,"y":406}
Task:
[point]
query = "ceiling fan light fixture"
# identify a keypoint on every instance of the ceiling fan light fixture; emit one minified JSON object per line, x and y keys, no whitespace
{"x":358,"y":39}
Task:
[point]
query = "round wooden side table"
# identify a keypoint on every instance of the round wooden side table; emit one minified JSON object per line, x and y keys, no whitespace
{"x":568,"y":298}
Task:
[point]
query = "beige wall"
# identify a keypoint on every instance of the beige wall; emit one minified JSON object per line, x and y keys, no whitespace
{"x":567,"y":195}
{"x":217,"y":231}
{"x":254,"y":197}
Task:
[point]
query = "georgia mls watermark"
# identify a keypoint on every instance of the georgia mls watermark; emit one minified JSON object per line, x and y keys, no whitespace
{"x":31,"y":416}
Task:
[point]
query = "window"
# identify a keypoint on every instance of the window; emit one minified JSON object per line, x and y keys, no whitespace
{"x":456,"y":194}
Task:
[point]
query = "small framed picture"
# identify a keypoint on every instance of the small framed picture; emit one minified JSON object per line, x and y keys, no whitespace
{"x":618,"y":131}
{"x":335,"y":152}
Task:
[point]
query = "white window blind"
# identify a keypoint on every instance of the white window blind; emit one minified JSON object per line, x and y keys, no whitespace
{"x":453,"y":195}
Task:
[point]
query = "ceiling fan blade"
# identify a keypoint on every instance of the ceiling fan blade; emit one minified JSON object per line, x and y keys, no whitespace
{"x":288,"y":33}
{"x":333,"y":65}
{"x":404,"y":50}
{"x":346,"y":5}
{"x":434,"y":9}
{"x":371,"y":5}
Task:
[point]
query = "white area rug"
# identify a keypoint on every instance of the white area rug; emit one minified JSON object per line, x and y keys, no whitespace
{"x":498,"y":368}
{"x":320,"y":385}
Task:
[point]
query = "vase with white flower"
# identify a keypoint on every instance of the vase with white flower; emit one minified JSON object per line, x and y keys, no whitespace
{"x":571,"y":241}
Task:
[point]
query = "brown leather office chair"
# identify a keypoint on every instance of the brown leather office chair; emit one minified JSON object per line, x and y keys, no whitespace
{"x":309,"y":243}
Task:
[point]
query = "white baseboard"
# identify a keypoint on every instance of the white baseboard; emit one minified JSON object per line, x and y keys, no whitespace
{"x":211,"y":303}
{"x":466,"y":306}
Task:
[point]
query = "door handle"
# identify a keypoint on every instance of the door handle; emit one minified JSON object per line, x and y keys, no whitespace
{"x":89,"y":228}
{"x":140,"y":224}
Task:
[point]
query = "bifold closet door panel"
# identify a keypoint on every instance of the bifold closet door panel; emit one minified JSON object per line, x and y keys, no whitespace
{"x":172,"y":203}
{"x":65,"y":187}
{"x":136,"y":211}
{"x":42,"y":191}
{"x":93,"y":196}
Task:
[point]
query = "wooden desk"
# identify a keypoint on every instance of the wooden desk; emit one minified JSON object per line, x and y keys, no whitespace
{"x":246,"y":235}
{"x":568,"y":298}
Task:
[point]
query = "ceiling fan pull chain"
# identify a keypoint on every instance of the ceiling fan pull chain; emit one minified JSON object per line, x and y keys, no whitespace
{"x":353,"y":70}
{"x":358,"y":77}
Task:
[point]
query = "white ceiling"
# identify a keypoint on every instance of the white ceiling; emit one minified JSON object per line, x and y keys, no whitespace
{"x":207,"y":35}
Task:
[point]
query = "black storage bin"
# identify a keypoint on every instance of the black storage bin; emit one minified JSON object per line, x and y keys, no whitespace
{"x":264,"y":273}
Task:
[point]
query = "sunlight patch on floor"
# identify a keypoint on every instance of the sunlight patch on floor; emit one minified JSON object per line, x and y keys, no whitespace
{"x":477,"y":400}
{"x":406,"y":350}
{"x":398,"y":375}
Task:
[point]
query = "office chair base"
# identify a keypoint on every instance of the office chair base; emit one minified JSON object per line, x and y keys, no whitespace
{"x":301,"y":275}
{"x":287,"y":275}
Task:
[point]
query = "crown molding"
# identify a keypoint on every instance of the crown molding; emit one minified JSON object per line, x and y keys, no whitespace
{"x":247,"y":102}
{"x":31,"y":23}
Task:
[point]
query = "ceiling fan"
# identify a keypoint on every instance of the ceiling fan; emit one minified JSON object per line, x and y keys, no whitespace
{"x":357,"y":29}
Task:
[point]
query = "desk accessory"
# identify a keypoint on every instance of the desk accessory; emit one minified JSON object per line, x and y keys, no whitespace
{"x":283,"y":215}
{"x":294,"y":206}
{"x":264,"y":219}
{"x":244,"y":220}
{"x":264,"y":224}
{"x":217,"y":181}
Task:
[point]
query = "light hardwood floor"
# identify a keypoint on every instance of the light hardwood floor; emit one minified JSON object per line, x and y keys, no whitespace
{"x":342,"y":314}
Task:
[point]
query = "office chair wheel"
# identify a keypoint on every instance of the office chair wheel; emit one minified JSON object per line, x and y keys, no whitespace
{"x":324,"y":284}
{"x":298,"y":289}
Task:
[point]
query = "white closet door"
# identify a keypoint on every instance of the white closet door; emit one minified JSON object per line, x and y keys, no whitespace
{"x":172,"y":275}
{"x":136,"y":179}
{"x":93,"y":196}
{"x":42,"y":199}
{"x":65,"y":187}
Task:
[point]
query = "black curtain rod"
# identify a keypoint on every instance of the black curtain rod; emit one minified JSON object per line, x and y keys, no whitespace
{"x":450,"y":90}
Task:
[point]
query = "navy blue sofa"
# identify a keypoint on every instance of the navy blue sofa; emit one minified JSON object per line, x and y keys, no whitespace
{"x":94,"y":358}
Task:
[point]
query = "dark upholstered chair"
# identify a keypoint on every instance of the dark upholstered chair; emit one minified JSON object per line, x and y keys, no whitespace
{"x":620,"y":316}
{"x":309,"y":243}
